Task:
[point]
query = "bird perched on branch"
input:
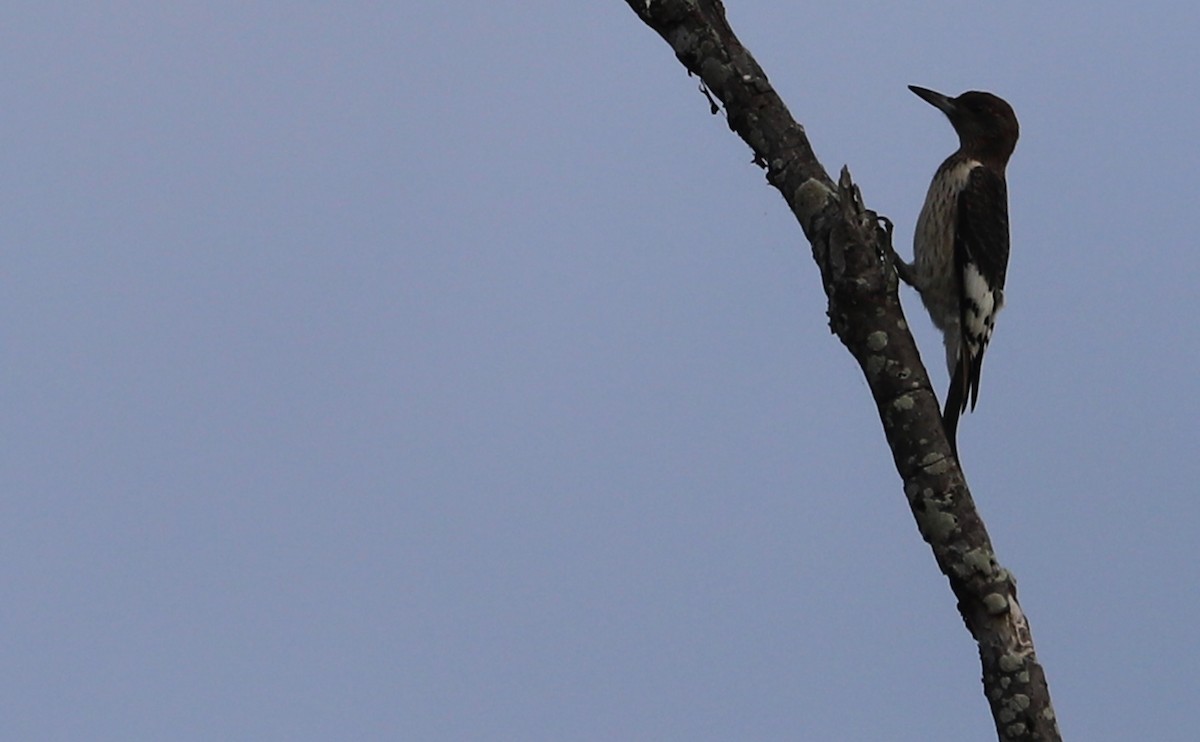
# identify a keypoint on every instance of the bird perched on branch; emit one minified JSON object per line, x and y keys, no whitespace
{"x":960,"y":248}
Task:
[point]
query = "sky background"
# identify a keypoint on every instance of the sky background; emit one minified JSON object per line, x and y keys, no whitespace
{"x":439,"y":371}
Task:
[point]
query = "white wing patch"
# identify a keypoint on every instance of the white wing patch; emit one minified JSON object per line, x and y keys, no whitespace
{"x":979,"y":314}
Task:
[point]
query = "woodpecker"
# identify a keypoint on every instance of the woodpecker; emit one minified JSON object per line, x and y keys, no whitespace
{"x":960,"y":248}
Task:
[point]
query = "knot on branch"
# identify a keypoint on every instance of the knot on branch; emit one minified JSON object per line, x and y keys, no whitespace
{"x":851,"y":244}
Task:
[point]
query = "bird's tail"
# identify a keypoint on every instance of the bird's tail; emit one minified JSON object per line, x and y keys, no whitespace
{"x":956,"y":402}
{"x":964,"y":389}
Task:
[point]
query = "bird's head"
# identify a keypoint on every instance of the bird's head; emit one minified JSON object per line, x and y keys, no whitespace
{"x":986,"y":125}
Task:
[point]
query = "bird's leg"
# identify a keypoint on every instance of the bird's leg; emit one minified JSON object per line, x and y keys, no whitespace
{"x":905,"y":271}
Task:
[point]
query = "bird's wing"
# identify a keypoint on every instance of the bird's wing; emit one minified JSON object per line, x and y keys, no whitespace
{"x":981,"y":261}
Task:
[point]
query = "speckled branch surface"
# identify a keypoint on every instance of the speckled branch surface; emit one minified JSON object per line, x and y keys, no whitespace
{"x":853,"y":251}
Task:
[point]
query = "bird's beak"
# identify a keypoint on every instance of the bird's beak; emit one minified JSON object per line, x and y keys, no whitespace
{"x":937,"y":100}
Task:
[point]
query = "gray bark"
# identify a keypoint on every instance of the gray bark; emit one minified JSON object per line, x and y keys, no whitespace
{"x":852,"y":248}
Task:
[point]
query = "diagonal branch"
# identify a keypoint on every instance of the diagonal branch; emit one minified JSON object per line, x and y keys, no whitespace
{"x":853,"y":252}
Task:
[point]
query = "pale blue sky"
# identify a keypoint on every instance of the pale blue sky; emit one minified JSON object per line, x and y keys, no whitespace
{"x":446,"y":372}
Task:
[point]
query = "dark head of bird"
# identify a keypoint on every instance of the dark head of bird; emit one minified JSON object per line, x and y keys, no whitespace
{"x":986,"y":125}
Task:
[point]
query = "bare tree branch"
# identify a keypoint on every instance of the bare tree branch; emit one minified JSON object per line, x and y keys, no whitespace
{"x":852,"y":247}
